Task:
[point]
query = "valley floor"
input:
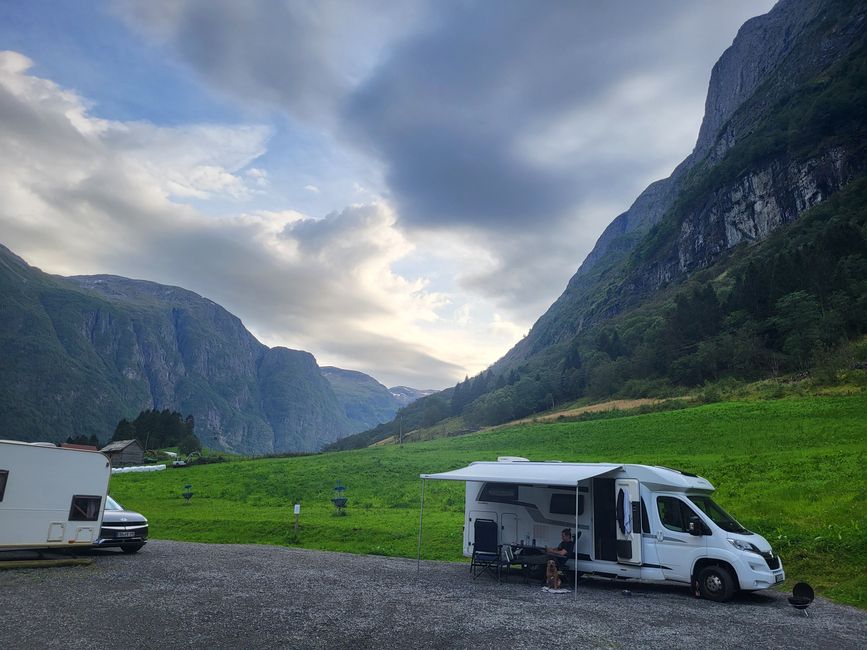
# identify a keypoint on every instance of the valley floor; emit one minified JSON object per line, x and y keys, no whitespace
{"x":178,"y":594}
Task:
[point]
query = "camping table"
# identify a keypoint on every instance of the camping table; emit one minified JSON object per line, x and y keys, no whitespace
{"x":530,"y":556}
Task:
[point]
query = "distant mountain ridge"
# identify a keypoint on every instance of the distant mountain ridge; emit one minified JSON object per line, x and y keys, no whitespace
{"x":80,"y":353}
{"x":404,"y":395}
{"x":749,"y":260}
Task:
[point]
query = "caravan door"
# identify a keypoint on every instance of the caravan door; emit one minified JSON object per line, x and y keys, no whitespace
{"x":628,"y":516}
{"x":508,"y":528}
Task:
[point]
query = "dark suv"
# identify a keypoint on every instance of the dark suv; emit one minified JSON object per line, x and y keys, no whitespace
{"x":123,"y":528}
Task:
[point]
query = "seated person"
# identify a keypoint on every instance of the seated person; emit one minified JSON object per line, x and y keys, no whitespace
{"x":566,"y":548}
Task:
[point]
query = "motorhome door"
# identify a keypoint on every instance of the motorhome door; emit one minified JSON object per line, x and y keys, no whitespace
{"x":508,"y":528}
{"x":628,"y":517}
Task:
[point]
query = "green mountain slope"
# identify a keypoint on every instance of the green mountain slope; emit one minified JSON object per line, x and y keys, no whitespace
{"x":749,"y":260}
{"x":81,"y":353}
{"x":366,"y":403}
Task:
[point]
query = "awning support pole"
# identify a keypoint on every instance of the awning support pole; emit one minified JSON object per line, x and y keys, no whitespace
{"x":420,"y":522}
{"x":575,"y":548}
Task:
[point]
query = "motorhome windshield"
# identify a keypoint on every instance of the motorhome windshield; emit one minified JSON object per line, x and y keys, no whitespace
{"x":718,"y":516}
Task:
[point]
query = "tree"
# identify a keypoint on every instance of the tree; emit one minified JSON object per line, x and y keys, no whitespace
{"x":797,"y":320}
{"x":189,"y":443}
{"x":124,"y":430}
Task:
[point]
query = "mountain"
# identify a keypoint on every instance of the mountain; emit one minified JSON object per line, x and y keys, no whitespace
{"x":748,"y":260}
{"x":365,"y":401}
{"x":80,"y":353}
{"x":779,"y":135}
{"x":404,"y":395}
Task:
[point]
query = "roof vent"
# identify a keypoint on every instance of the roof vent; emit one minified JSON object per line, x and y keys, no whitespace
{"x":511,"y":459}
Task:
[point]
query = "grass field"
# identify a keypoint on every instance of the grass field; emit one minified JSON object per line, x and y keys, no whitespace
{"x":791,"y":469}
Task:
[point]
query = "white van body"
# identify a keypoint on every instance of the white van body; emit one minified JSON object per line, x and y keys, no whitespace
{"x":50,"y":496}
{"x":648,"y":538}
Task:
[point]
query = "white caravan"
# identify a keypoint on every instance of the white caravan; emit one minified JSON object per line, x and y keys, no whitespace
{"x":50,"y":496}
{"x":633,"y":522}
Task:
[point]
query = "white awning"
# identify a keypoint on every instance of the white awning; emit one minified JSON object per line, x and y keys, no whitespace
{"x":526,"y":472}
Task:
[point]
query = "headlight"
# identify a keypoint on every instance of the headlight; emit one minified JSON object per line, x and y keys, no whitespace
{"x":744,"y":546}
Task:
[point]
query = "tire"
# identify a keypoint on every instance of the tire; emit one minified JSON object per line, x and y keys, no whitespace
{"x":716,"y":583}
{"x":131,"y":548}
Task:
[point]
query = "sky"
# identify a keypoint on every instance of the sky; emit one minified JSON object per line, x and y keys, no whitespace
{"x":400,"y":188}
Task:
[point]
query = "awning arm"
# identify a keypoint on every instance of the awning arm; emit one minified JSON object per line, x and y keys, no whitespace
{"x":575,"y":548}
{"x":420,"y":522}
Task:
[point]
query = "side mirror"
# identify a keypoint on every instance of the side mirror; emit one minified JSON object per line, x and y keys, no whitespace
{"x":694,"y":526}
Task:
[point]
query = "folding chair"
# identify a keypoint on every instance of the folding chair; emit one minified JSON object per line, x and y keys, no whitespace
{"x":486,"y":549}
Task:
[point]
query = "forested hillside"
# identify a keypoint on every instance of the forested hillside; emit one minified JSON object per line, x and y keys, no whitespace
{"x":749,"y":261}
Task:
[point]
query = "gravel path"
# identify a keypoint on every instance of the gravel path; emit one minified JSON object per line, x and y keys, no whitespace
{"x":175,"y":594}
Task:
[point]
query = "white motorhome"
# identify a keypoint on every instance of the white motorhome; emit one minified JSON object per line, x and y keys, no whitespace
{"x":632,"y":522}
{"x":50,"y":496}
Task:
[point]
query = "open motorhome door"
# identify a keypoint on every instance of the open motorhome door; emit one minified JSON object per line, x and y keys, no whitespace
{"x":628,"y":516}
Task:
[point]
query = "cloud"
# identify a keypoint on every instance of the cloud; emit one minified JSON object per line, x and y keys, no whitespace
{"x":301,"y":57}
{"x":507,"y":116}
{"x":84,"y":195}
{"x":487,"y":145}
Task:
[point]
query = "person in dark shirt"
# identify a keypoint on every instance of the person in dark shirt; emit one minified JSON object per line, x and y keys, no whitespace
{"x":566,"y":548}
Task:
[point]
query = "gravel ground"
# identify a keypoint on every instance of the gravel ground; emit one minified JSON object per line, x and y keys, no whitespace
{"x":175,"y":594}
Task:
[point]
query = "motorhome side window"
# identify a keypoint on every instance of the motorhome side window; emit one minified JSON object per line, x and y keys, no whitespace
{"x":645,"y":521}
{"x":564,"y":504}
{"x":4,"y":474}
{"x":84,"y":508}
{"x":674,"y":513}
{"x":499,"y":492}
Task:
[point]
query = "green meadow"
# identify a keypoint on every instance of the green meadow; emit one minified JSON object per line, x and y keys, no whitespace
{"x":790,"y":469}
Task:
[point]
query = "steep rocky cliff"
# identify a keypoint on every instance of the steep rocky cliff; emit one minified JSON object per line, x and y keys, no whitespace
{"x":365,"y":401}
{"x":81,"y":353}
{"x":751,"y":170}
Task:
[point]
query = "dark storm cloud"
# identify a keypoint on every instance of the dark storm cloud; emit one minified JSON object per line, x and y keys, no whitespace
{"x":301,"y":57}
{"x":447,"y":112}
{"x":448,"y":96}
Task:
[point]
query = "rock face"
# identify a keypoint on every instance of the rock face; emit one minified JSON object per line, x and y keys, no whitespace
{"x":772,"y":57}
{"x":750,"y":209}
{"x":761,"y":45}
{"x":365,"y":401}
{"x":81,"y":353}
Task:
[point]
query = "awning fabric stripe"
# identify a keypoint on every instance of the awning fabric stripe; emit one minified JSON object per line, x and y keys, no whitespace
{"x":525,"y":472}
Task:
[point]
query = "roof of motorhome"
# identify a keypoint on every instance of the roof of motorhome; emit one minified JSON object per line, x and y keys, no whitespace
{"x":556,"y":473}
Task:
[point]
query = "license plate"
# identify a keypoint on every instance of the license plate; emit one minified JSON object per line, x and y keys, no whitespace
{"x":779,"y":577}
{"x":125,"y":533}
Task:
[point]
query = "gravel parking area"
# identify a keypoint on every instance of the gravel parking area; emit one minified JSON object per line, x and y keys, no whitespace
{"x":175,"y":594}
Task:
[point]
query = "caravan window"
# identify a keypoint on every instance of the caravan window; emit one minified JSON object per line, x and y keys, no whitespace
{"x":564,"y":504}
{"x":4,"y":473}
{"x":85,"y":508}
{"x":499,"y":492}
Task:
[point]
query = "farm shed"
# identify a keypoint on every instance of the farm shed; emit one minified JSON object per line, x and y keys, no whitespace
{"x":124,"y":452}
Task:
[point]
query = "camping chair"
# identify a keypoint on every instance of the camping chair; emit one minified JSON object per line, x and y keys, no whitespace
{"x":486,"y":550}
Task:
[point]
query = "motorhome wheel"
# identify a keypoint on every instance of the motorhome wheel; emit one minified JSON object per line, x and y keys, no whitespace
{"x":716,"y":583}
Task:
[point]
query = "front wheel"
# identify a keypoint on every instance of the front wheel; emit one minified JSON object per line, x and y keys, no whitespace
{"x":716,"y":583}
{"x":131,"y":548}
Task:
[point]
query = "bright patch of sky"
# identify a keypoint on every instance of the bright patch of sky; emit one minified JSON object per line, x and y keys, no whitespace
{"x":400,"y":188}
